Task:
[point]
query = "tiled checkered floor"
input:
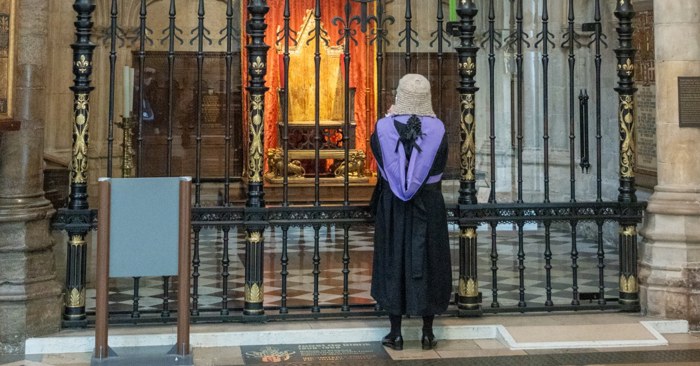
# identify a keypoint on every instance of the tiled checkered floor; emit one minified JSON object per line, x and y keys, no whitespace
{"x":300,"y":280}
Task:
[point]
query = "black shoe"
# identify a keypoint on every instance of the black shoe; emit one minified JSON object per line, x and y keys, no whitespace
{"x":395,"y":343}
{"x":428,"y":342}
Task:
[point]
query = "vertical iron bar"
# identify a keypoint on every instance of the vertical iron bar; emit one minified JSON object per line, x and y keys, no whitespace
{"x":548,"y":262}
{"x":409,"y":36}
{"x":229,"y":100}
{"x":598,"y":133}
{"x":317,"y":268}
{"x":519,"y":92}
{"x":572,"y":151}
{"x":346,"y":112}
{"x":112,"y":65}
{"x":165,"y":312}
{"x":195,"y":271}
{"x":76,"y":258}
{"x":586,"y":163}
{"x":545,"y":96}
{"x":285,"y":108}
{"x":255,"y":203}
{"x":198,"y":108}
{"x":601,"y":264}
{"x":141,"y":57}
{"x":225,"y":261}
{"x":317,"y":102}
{"x":545,"y":138}
{"x":599,"y":137}
{"x":494,"y":266}
{"x":440,"y":59}
{"x":135,"y":299}
{"x":468,"y":299}
{"x":171,"y":85}
{"x":629,"y":287}
{"x":346,"y":267}
{"x":521,"y":267}
{"x":492,"y":150}
{"x":285,"y":262}
{"x":580,"y":124}
{"x":572,"y":133}
{"x":380,"y":57}
{"x":519,"y":101}
{"x":574,"y":264}
{"x":492,"y":100}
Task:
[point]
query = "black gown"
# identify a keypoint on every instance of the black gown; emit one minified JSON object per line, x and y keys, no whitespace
{"x":412,"y":271}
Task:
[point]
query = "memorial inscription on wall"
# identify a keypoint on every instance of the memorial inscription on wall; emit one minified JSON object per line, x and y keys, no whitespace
{"x":6,"y":56}
{"x":643,"y":40}
{"x":689,"y":101}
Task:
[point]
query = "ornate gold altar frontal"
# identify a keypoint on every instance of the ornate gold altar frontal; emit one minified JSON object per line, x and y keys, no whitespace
{"x":301,"y":89}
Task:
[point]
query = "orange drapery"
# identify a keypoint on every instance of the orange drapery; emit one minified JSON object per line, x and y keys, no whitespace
{"x":362,"y":66}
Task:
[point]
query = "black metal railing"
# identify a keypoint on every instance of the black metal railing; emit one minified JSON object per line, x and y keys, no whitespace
{"x":263,"y":237}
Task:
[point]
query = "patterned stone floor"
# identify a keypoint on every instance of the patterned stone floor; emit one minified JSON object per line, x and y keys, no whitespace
{"x":681,"y":348}
{"x":300,"y":279}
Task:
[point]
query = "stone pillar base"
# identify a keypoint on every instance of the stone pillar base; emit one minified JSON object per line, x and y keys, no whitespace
{"x":30,"y":295}
{"x":669,"y":269}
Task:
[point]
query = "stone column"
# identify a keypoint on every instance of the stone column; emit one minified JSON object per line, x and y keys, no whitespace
{"x":670,"y":252}
{"x":30,"y":302}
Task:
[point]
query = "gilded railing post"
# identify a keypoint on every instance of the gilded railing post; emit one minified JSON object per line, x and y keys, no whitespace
{"x":629,"y":288}
{"x":468,"y":298}
{"x":255,"y":203}
{"x":74,"y":309}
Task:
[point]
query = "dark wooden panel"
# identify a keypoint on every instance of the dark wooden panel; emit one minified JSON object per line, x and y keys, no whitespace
{"x":445,"y":96}
{"x":185,"y":115}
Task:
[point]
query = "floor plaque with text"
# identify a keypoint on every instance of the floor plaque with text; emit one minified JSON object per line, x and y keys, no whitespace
{"x":317,"y":352}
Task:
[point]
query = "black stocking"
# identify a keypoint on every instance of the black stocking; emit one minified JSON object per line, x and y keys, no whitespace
{"x":395,"y":325}
{"x":428,"y":325}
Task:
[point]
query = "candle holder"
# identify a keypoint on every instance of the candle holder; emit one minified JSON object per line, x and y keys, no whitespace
{"x":127,"y":126}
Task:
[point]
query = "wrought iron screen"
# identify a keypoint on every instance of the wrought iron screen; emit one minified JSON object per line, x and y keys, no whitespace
{"x":282,"y":230}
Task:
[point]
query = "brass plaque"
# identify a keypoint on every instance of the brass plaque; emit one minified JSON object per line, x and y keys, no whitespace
{"x":689,"y":101}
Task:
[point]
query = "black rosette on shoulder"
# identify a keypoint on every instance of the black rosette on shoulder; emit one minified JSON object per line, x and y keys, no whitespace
{"x":408,"y":134}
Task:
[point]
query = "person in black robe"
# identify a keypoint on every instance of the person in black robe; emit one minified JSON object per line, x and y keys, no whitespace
{"x":412,"y":273}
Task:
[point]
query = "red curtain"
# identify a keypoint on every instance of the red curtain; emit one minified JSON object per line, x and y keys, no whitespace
{"x":362,"y":67}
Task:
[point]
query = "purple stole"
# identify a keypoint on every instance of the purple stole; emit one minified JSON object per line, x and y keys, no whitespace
{"x":405,"y":183}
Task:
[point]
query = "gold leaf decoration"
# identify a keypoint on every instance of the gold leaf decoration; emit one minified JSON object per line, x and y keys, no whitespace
{"x":469,"y":66}
{"x":468,"y":233}
{"x":628,"y":231}
{"x":75,"y":298}
{"x":258,"y":66}
{"x":468,"y":287}
{"x":77,"y":240}
{"x":79,"y":163}
{"x":627,"y":139}
{"x":628,"y":284}
{"x":254,"y":237}
{"x":627,"y":67}
{"x":255,"y":156}
{"x":468,"y":148}
{"x":253,"y":293}
{"x":82,"y":64}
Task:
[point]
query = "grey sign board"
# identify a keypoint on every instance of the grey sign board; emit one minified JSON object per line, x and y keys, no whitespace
{"x":144,"y":227}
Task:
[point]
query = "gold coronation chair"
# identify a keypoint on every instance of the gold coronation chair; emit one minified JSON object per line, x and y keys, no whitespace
{"x":301,"y":126}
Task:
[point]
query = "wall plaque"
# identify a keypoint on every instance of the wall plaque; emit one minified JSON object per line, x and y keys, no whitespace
{"x":6,"y":56}
{"x":689,"y":101}
{"x":645,"y":100}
